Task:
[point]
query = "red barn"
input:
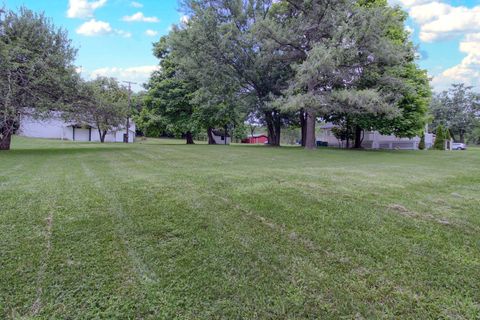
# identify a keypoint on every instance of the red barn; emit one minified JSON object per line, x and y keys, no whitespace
{"x":256,"y":138}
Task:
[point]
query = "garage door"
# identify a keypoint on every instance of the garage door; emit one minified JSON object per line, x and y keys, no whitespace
{"x":81,"y":134}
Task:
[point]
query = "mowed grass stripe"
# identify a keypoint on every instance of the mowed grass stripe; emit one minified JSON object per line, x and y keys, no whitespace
{"x":235,"y":230}
{"x":213,"y":182}
{"x":91,"y":270}
{"x":26,"y":209}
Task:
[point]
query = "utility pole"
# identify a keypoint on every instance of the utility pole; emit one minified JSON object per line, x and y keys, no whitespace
{"x":125,"y":137}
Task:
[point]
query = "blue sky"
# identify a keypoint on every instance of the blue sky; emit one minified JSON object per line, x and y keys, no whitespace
{"x":115,"y":37}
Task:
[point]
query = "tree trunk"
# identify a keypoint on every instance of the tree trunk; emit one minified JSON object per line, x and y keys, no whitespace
{"x":303,"y":125}
{"x":452,"y":136}
{"x":358,"y":137}
{"x":310,"y":137}
{"x":272,"y":118}
{"x":102,"y":134}
{"x":462,"y":137}
{"x":225,"y":134}
{"x":5,"y":138}
{"x":210,"y":136}
{"x":189,"y":138}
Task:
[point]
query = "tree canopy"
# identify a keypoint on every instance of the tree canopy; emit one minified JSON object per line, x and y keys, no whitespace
{"x":37,"y":74}
{"x":457,"y":109}
{"x":292,"y":62}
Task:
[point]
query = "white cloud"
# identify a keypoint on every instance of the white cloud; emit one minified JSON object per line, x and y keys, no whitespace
{"x":139,"y":17}
{"x":151,"y":33}
{"x":439,"y":21}
{"x":99,"y":28}
{"x":139,"y":74}
{"x":123,"y":33}
{"x":468,"y":71}
{"x":408,"y":3}
{"x":95,"y":28}
{"x":136,"y":4}
{"x":83,"y":8}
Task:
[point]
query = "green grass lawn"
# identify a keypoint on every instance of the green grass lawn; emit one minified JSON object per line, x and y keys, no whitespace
{"x":155,"y":230}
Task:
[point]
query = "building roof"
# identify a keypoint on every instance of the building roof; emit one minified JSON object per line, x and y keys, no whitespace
{"x":219,"y":133}
{"x":328,"y":125}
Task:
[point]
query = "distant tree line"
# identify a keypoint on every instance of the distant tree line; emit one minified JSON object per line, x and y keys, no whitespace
{"x":288,"y":63}
{"x":457,"y":110}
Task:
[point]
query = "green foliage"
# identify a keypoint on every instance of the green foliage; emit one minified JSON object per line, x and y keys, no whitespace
{"x":421,"y":144}
{"x":456,"y":108}
{"x":447,"y":134}
{"x":474,"y":136}
{"x":240,"y":131}
{"x":169,"y":96}
{"x":102,"y":102}
{"x":405,"y":85}
{"x":343,"y":132}
{"x":37,"y":74}
{"x":150,"y":124}
{"x":222,"y":48}
{"x":439,"y":143}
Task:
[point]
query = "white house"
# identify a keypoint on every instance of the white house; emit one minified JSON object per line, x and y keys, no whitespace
{"x":55,"y":127}
{"x":375,"y":140}
{"x":220,"y":137}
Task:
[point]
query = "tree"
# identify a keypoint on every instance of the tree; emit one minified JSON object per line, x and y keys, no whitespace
{"x":474,"y":136}
{"x":456,"y":108}
{"x":224,"y":40}
{"x":103,"y":102}
{"x":169,"y":95}
{"x":439,"y":143}
{"x":334,"y":44}
{"x":150,"y":124}
{"x":37,"y":74}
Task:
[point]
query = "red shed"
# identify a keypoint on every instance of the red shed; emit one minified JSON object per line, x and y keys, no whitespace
{"x":256,"y":138}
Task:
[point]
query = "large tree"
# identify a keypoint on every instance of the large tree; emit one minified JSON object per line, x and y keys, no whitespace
{"x":169,"y":95}
{"x":335,"y":44}
{"x":408,"y":85}
{"x":224,"y":39}
{"x":36,"y":68}
{"x":457,"y":109}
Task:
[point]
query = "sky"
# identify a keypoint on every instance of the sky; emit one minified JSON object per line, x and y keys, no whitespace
{"x":115,"y":37}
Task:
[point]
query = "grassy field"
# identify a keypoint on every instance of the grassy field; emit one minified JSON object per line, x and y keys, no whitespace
{"x":156,"y":230}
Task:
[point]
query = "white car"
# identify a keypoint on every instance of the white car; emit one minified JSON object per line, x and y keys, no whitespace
{"x":458,"y":146}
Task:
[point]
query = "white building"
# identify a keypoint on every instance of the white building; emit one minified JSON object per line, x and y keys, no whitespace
{"x":220,"y":137}
{"x":55,"y":127}
{"x":375,"y":140}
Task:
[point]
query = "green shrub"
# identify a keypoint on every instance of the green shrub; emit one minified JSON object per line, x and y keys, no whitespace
{"x":439,"y":138}
{"x":421,"y":144}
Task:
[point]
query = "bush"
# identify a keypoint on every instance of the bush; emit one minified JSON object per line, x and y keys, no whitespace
{"x":439,"y":138}
{"x":421,"y":144}
{"x":474,"y":136}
